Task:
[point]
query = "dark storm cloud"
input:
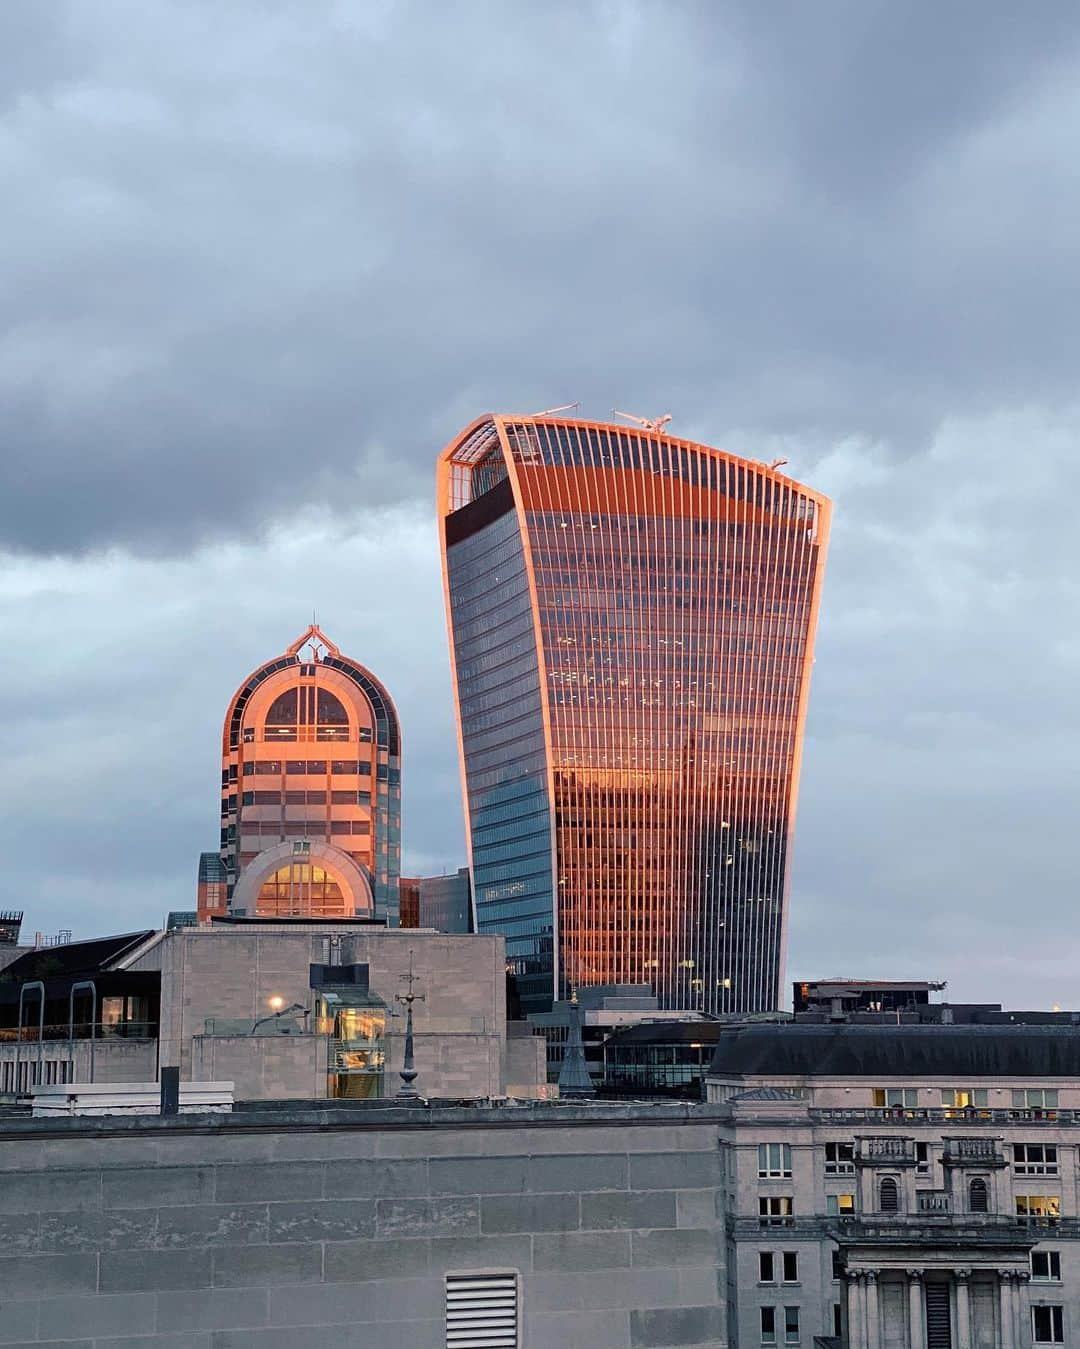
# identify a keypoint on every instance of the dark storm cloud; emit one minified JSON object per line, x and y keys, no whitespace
{"x":257,"y":254}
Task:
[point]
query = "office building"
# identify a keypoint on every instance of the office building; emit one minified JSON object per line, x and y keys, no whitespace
{"x":439,"y":902}
{"x":599,"y":1012}
{"x":310,"y":792}
{"x":632,"y":620}
{"x":656,"y":1058}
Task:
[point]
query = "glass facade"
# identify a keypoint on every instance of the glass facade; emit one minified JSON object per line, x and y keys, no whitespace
{"x":632,"y":621}
{"x":441,"y":902}
{"x":502,"y":730}
{"x":356,"y":1056}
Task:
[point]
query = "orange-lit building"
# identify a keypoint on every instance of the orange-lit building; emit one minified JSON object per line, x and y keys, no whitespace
{"x":632,"y":620}
{"x":310,"y":793}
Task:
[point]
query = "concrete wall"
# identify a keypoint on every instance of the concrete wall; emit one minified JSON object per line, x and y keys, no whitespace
{"x":525,"y":1066}
{"x":333,"y":1227}
{"x":115,"y":1060}
{"x":262,"y":1067}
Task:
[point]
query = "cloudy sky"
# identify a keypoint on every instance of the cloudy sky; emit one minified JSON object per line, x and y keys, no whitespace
{"x":261,"y":260}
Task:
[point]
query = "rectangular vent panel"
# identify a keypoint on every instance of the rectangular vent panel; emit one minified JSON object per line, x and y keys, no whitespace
{"x":482,"y":1311}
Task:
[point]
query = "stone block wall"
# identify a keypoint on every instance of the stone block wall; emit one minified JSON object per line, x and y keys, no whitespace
{"x":231,"y":973}
{"x":262,"y":1067}
{"x":319,"y":1228}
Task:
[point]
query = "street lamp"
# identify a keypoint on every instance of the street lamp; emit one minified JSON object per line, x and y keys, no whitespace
{"x":281,"y":1011}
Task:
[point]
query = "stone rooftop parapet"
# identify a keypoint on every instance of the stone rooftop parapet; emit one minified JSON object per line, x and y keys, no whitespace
{"x":326,"y":1116}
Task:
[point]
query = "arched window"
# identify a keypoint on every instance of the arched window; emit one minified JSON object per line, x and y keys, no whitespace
{"x":283,"y":709}
{"x":331,"y":712}
{"x":888,"y":1195}
{"x":298,"y":890}
{"x":978,"y":1196}
{"x":306,"y":713}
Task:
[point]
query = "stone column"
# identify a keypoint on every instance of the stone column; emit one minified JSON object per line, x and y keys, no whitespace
{"x":963,"y":1309}
{"x":856,"y":1311}
{"x":1005,"y":1304}
{"x":916,"y":1314}
{"x":873,"y":1315}
{"x":1023,"y":1317}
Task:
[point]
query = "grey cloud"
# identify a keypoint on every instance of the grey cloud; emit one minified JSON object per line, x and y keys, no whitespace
{"x":939,"y":791}
{"x":262,"y":255}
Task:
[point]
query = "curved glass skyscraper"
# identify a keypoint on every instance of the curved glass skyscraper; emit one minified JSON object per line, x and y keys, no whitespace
{"x":632,"y":620}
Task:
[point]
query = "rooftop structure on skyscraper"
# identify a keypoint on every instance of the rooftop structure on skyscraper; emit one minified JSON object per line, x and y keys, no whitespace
{"x":632,"y":620}
{"x":310,"y":793}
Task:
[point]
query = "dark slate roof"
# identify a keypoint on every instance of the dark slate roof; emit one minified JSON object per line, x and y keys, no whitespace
{"x":898,"y":1051}
{"x":74,"y":957}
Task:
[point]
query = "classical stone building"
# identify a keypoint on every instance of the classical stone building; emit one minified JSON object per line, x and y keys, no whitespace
{"x":901,"y":1187}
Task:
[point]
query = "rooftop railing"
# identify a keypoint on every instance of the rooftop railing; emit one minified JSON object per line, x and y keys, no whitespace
{"x":106,"y":1030}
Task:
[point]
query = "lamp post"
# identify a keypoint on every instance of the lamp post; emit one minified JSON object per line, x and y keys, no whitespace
{"x":282,"y":1011}
{"x":407,"y":1092}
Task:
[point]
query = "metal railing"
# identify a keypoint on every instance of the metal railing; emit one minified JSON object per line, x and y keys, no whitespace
{"x":218,"y":1026}
{"x":82,"y":1030}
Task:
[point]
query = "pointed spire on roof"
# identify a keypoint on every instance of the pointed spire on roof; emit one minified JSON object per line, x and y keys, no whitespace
{"x":574,"y":1079}
{"x":314,"y":637}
